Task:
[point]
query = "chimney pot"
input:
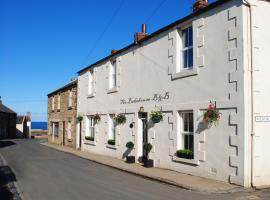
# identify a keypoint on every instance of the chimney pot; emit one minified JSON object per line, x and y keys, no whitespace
{"x":114,"y":51}
{"x":141,"y":35}
{"x":199,"y":4}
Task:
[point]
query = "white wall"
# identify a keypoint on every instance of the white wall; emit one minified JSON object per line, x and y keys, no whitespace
{"x":149,"y":69}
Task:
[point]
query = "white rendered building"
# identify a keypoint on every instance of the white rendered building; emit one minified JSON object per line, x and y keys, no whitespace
{"x":219,"y":53}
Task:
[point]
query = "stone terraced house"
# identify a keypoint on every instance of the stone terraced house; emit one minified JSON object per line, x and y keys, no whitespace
{"x":62,"y":112}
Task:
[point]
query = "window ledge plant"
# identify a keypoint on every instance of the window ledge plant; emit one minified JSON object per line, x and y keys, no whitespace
{"x":211,"y":115}
{"x":97,"y":117}
{"x":185,"y":153}
{"x":111,"y":142}
{"x":120,"y":119}
{"x":89,"y":138}
{"x":156,"y":116}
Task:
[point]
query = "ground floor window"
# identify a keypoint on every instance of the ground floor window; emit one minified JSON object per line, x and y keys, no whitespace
{"x":112,"y":127}
{"x":69,"y":136}
{"x":55,"y":129}
{"x":186,"y":122}
{"x":90,"y":133}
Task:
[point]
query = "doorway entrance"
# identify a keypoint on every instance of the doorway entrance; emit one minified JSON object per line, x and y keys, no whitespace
{"x":143,"y":117}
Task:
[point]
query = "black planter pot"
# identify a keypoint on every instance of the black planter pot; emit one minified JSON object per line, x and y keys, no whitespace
{"x":130,"y":159}
{"x":148,"y":163}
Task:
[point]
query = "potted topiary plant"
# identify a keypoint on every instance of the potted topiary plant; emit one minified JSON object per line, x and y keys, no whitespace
{"x":185,"y":153}
{"x":120,"y":119}
{"x":91,"y":138}
{"x":130,"y":146}
{"x":148,"y":162}
{"x":111,"y":142}
{"x":156,"y":116}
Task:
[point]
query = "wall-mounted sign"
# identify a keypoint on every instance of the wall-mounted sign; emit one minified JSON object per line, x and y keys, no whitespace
{"x":262,"y":118}
{"x":156,"y":97}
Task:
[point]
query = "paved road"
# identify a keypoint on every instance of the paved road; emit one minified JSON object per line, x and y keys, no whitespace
{"x":47,"y":174}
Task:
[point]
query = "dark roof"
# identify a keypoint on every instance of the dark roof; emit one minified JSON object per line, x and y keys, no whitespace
{"x":209,"y":7}
{"x":63,"y":88}
{"x":19,"y":119}
{"x":5,"y":109}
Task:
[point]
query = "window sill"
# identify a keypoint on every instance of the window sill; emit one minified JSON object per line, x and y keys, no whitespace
{"x":185,"y":73}
{"x":58,"y":110}
{"x":93,"y":143}
{"x":112,"y":90}
{"x":109,"y":146}
{"x":90,"y":95}
{"x":69,"y":140}
{"x":186,"y":161}
{"x":70,"y":108}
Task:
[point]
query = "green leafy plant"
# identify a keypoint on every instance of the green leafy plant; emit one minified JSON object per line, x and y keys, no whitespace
{"x":91,"y":138}
{"x":130,"y":145}
{"x":147,"y":147}
{"x":184,"y":153}
{"x":156,"y":116}
{"x":120,"y":119}
{"x":111,"y":142}
{"x":211,"y":115}
{"x":79,"y":118}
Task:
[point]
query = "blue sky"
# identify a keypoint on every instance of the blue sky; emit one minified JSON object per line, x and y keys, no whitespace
{"x":43,"y":43}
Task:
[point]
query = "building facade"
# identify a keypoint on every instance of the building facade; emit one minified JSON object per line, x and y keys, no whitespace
{"x":217,"y":54}
{"x":62,"y":112}
{"x":7,"y":122}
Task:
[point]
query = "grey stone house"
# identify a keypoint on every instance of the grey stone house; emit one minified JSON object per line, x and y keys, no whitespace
{"x":7,"y":122}
{"x":62,"y":111}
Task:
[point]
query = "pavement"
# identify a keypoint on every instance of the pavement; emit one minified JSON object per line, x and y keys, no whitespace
{"x":44,"y":173}
{"x":181,"y":180}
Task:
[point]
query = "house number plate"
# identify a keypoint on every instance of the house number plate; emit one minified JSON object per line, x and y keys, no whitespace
{"x":262,"y":118}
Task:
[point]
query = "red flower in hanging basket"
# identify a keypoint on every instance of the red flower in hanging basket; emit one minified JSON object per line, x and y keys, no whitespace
{"x":211,"y":115}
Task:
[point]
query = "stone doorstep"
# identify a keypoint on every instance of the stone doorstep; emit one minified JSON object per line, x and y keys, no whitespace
{"x":178,"y":179}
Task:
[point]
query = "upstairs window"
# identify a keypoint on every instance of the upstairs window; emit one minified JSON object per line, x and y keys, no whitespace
{"x":53,"y":102}
{"x":70,"y":94}
{"x":90,"y":82}
{"x":113,"y":74}
{"x":187,"y":48}
{"x":58,"y":102}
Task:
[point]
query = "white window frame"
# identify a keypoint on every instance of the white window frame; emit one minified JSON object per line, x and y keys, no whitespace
{"x":54,"y":129}
{"x":113,"y":74}
{"x":91,"y":126}
{"x":186,"y":49}
{"x":182,"y":133}
{"x":91,"y":83}
{"x":111,"y":127}
{"x":70,"y":95}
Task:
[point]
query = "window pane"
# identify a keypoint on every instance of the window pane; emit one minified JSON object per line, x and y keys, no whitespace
{"x":190,"y":36}
{"x":185,"y":120}
{"x":190,"y":58}
{"x":185,"y":59}
{"x":190,"y":122}
{"x":185,"y":38}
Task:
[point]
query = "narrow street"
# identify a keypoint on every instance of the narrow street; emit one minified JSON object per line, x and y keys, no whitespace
{"x":43,"y":173}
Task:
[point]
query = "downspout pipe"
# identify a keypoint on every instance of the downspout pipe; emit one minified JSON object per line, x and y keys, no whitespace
{"x":249,"y":5}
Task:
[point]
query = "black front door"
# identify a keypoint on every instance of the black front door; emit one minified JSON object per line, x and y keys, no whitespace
{"x":143,"y":117}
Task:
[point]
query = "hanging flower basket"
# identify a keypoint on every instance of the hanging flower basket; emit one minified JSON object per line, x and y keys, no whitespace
{"x":156,"y":116}
{"x":79,"y":118}
{"x":211,"y":115}
{"x":120,"y":119}
{"x":97,"y":117}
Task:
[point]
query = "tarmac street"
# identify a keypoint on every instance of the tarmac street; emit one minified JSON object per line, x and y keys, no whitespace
{"x":44,"y":173}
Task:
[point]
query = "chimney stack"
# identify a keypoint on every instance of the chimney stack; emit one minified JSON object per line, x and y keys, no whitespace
{"x":199,"y":4}
{"x":114,"y":51}
{"x":141,"y":35}
{"x":28,"y":116}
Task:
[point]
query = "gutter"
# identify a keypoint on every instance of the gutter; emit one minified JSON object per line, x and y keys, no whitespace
{"x":252,"y":134}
